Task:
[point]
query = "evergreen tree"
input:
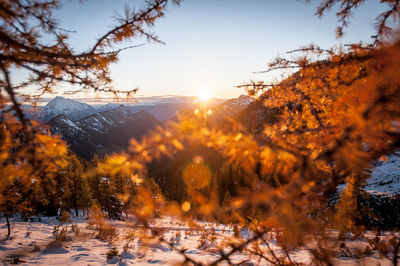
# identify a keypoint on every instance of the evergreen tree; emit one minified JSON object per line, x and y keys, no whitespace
{"x":76,"y":192}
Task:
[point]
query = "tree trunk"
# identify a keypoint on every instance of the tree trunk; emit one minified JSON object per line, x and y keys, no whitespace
{"x":73,"y":188}
{"x":8,"y":226}
{"x":75,"y":196}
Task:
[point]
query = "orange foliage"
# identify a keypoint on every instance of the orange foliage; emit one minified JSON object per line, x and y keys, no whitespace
{"x":338,"y":112}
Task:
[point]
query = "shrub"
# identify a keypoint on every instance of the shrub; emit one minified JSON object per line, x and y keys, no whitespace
{"x":111,"y":253}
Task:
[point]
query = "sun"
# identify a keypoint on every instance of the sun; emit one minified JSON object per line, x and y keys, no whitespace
{"x":204,"y":96}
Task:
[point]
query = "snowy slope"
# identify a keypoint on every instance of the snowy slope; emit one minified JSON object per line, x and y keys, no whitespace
{"x":64,"y":123}
{"x":385,"y":177}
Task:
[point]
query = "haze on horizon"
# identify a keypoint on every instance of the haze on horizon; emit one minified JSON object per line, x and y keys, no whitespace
{"x":210,"y":45}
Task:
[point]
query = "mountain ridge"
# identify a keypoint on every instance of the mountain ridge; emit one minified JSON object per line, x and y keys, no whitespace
{"x":103,"y":132}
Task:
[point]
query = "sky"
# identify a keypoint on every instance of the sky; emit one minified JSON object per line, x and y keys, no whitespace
{"x":211,"y":45}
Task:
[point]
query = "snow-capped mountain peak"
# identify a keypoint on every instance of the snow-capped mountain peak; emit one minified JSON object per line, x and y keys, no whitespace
{"x":72,"y":109}
{"x":244,"y":100}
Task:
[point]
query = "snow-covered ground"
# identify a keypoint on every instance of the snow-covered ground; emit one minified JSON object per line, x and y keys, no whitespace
{"x":33,"y":243}
{"x":385,"y":177}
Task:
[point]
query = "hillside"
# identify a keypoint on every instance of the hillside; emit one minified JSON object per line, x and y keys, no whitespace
{"x":104,"y":132}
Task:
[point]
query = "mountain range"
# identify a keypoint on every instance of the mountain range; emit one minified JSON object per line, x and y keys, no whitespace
{"x":98,"y":130}
{"x":104,"y":129}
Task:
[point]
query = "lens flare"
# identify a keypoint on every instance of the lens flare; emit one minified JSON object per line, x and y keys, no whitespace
{"x":197,"y":174}
{"x":186,"y":206}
